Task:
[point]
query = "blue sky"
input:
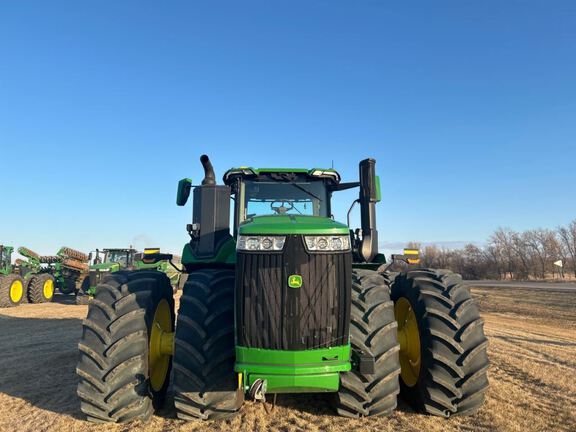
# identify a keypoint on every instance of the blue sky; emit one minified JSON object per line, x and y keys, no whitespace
{"x":469,"y":108}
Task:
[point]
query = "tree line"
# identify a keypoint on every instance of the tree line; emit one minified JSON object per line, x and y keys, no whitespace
{"x":509,"y":254}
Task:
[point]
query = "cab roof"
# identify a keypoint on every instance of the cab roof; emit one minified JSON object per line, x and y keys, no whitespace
{"x":251,"y":172}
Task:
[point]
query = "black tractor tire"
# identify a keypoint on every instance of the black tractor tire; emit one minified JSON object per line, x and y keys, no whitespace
{"x":68,"y":287}
{"x":114,"y":348}
{"x":6,"y":285}
{"x":372,"y":333}
{"x":205,"y":384}
{"x":36,"y":292}
{"x":452,"y":378}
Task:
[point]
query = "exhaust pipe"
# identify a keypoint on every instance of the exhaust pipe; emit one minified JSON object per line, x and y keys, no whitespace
{"x":210,"y":214}
{"x":209,"y":176}
{"x":368,"y":199}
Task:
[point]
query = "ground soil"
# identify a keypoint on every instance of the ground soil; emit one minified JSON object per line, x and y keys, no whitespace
{"x":532,"y":349}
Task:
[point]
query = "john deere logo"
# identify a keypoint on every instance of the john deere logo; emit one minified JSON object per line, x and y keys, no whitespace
{"x":295,"y":281}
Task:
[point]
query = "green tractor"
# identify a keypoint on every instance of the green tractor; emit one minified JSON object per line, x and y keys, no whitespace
{"x":105,"y":261}
{"x":11,"y":284}
{"x":43,"y":274}
{"x":111,"y":260}
{"x":287,"y":301}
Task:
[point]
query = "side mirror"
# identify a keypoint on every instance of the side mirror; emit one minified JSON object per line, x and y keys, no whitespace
{"x":378,"y":190}
{"x":90,"y":257}
{"x":183,"y":193}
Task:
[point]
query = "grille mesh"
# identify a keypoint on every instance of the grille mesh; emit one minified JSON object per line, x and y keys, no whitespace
{"x":271,"y":315}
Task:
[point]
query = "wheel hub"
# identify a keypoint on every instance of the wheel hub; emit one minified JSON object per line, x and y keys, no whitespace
{"x":16,"y":291}
{"x":161,"y":345}
{"x":48,"y":288}
{"x":409,"y":339}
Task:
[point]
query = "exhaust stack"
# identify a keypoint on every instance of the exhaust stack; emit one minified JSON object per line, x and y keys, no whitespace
{"x":210,"y":214}
{"x":368,"y":199}
{"x":209,"y":176}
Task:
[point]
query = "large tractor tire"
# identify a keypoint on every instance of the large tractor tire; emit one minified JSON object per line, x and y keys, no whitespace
{"x":126,"y":347}
{"x":442,"y":343}
{"x":41,"y":288}
{"x":11,"y":290}
{"x":373,"y":335}
{"x":205,"y":384}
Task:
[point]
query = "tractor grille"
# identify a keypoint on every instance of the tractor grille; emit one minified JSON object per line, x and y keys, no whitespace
{"x":271,"y":315}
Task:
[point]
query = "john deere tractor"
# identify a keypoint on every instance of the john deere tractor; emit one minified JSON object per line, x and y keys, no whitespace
{"x":105,"y":261}
{"x":11,"y":284}
{"x":113,"y":260}
{"x":287,"y":300}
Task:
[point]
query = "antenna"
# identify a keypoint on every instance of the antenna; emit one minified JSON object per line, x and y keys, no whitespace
{"x":332,"y":163}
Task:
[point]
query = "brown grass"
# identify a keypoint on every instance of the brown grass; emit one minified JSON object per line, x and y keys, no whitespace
{"x":533,"y":375}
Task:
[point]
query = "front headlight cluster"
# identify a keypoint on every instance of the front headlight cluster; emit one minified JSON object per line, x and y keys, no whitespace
{"x":327,"y":243}
{"x":260,"y":243}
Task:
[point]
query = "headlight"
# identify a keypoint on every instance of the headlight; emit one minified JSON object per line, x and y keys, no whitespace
{"x":260,"y":243}
{"x":328,"y":243}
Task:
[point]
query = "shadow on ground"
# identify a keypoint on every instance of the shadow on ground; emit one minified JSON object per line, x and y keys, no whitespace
{"x":38,"y":362}
{"x":39,"y":357}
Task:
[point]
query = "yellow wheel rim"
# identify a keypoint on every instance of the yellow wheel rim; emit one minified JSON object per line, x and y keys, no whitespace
{"x":409,"y":339}
{"x":16,"y":291}
{"x":161,"y":345}
{"x":48,"y":288}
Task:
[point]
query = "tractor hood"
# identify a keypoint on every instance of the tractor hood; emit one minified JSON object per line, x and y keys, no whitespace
{"x":110,"y":266}
{"x":291,"y":224}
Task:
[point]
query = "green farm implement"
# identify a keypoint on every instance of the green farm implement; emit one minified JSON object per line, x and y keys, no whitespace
{"x":286,"y":300}
{"x":43,"y":274}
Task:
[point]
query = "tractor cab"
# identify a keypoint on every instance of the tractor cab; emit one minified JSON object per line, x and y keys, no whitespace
{"x":112,"y":258}
{"x":105,"y":261}
{"x":280,"y":192}
{"x":5,"y":259}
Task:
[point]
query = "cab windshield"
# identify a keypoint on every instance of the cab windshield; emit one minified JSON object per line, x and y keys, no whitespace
{"x":308,"y":198}
{"x":120,"y":257}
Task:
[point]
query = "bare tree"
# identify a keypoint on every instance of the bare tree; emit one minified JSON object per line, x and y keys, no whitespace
{"x":508,"y":254}
{"x":568,"y":240}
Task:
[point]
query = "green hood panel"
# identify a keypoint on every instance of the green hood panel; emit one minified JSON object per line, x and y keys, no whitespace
{"x":106,"y":266}
{"x":292,"y":224}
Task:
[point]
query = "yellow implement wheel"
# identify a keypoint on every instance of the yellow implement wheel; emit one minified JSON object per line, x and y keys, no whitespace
{"x":48,"y":288}
{"x":11,"y":290}
{"x":16,"y":291}
{"x":161,"y":345}
{"x":409,"y":339}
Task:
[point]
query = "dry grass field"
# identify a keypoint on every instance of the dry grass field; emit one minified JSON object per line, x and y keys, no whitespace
{"x":532,"y":350}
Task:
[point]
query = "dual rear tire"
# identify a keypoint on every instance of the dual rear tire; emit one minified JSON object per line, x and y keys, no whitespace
{"x":40,"y":288}
{"x":126,"y":358}
{"x":443,"y":354}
